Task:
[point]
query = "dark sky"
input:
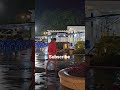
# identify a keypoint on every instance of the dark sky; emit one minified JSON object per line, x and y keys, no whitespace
{"x":10,"y":8}
{"x":43,"y":5}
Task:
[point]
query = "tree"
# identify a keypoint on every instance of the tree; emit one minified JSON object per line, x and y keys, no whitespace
{"x":60,"y":19}
{"x":107,"y":52}
{"x":79,"y":47}
{"x":109,"y":45}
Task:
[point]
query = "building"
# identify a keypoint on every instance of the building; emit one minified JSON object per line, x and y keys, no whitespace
{"x":68,"y":37}
{"x":22,"y":29}
{"x":101,"y":20}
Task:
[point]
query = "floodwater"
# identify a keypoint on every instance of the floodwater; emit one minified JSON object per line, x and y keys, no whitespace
{"x":15,"y":70}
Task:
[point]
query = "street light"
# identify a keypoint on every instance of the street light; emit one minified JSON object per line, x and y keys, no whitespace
{"x":35,"y":28}
{"x":25,"y":18}
{"x":45,"y":33}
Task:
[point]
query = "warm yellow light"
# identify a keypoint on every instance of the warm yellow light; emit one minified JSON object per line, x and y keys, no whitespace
{"x":44,"y":33}
{"x":65,"y":45}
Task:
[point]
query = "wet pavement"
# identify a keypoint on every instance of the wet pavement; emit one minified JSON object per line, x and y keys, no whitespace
{"x":44,"y":81}
{"x":51,"y":80}
{"x":103,"y":78}
{"x":15,"y":70}
{"x":97,"y":78}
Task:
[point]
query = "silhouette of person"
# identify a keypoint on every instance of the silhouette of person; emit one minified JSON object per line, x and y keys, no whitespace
{"x":52,"y":51}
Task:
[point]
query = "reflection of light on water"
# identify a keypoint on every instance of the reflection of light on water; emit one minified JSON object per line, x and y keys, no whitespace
{"x":37,"y":78}
{"x":46,"y":56}
{"x":37,"y":63}
{"x":35,"y":57}
{"x":45,"y":50}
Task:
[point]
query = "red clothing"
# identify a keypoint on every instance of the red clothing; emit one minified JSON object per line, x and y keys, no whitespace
{"x":52,"y":48}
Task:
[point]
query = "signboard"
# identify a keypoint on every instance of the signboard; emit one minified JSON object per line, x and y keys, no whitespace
{"x":71,"y":45}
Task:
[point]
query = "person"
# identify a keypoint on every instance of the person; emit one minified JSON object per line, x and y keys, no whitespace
{"x":52,"y":51}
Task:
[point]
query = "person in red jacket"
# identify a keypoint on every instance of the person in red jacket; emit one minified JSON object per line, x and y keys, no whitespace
{"x":52,"y":51}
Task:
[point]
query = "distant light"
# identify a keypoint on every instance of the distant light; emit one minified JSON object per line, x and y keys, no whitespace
{"x":75,"y":35}
{"x":46,"y":37}
{"x":70,"y":28}
{"x":22,"y":17}
{"x":36,"y":28}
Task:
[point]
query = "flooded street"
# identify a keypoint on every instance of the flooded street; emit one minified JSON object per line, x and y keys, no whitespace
{"x":15,"y":70}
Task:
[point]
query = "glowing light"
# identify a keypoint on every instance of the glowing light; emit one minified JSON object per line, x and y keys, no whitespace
{"x":75,"y":35}
{"x":36,"y":28}
{"x":22,"y":17}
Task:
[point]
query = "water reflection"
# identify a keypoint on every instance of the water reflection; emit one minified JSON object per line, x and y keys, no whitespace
{"x":51,"y":81}
{"x":15,"y":70}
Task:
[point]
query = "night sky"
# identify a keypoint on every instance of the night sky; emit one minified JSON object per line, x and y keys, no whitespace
{"x":62,"y":4}
{"x":43,"y":5}
{"x":10,"y":8}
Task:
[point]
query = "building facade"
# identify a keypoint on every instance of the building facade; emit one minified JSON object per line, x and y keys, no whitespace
{"x":69,"y":36}
{"x":101,"y":20}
